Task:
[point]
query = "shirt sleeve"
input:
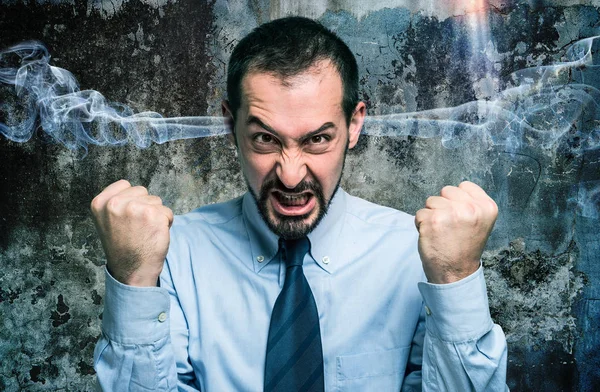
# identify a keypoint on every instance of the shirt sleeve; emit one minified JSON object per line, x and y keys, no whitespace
{"x":135,"y":351}
{"x":462,"y":349}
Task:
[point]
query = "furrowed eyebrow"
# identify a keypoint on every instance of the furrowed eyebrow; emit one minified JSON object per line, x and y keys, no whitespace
{"x":256,"y":121}
{"x":322,"y":128}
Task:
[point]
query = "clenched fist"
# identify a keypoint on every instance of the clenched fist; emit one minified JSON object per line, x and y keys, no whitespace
{"x":453,"y":229}
{"x":134,"y":230}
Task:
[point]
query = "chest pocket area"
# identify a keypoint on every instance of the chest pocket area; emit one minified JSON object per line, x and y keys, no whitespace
{"x":372,"y":371}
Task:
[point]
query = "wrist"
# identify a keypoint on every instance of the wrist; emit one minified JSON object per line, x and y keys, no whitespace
{"x":446,"y":276}
{"x":136,"y":278}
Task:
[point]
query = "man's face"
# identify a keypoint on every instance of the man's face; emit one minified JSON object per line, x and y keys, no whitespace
{"x":292,"y":137}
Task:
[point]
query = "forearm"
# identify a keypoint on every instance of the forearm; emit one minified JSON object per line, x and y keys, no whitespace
{"x":463,"y":349}
{"x":135,"y":351}
{"x":133,"y":367}
{"x":474,"y":365}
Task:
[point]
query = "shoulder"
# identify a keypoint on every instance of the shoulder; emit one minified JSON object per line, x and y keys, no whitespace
{"x":210,"y":214}
{"x":205,"y":222}
{"x":377,"y":215}
{"x":197,"y":233}
{"x":384,"y":237}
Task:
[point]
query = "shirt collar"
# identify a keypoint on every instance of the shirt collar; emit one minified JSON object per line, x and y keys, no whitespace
{"x":263,"y":242}
{"x":323,"y":239}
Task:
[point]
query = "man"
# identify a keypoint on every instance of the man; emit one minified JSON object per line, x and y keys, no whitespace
{"x":296,"y":285}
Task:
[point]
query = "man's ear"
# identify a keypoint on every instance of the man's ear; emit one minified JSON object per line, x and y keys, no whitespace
{"x":229,"y":121}
{"x":356,"y":123}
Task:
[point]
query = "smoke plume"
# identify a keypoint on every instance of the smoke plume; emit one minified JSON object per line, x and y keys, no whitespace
{"x":540,"y":106}
{"x":50,"y":97}
{"x":543,"y":104}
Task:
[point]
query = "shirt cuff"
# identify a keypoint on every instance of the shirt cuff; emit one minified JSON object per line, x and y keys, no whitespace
{"x":134,"y":315}
{"x":458,"y":311}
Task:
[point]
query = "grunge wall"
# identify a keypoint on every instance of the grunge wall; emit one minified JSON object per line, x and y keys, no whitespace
{"x":542,"y":262}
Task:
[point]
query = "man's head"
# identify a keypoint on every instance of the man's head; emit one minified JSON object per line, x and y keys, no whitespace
{"x":294,"y":111}
{"x":287,"y":47}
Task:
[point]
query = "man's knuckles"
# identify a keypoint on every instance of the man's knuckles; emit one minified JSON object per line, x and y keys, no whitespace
{"x":97,"y":205}
{"x":450,"y":192}
{"x":467,"y":213}
{"x":123,"y":207}
{"x":145,"y":212}
{"x":136,"y":191}
{"x":484,"y":211}
{"x":153,"y":199}
{"x":455,"y":215}
{"x":430,"y":202}
{"x":115,"y":187}
{"x":115,"y":206}
{"x":491,"y":207}
{"x":440,"y":220}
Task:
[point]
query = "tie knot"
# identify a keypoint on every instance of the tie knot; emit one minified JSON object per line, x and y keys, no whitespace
{"x":293,"y":251}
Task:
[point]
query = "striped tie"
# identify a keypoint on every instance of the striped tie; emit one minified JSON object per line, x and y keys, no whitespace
{"x":294,"y":353}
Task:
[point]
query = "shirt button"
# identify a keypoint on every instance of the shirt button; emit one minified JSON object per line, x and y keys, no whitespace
{"x":326,"y":260}
{"x":260,"y":259}
{"x":427,"y":310}
{"x":162,"y":317}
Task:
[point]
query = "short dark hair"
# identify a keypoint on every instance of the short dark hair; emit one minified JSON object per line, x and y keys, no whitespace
{"x":286,"y":47}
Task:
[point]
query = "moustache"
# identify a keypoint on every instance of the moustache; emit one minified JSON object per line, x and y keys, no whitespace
{"x":276,"y":185}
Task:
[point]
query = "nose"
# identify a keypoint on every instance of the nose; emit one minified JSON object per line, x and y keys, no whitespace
{"x":291,"y":171}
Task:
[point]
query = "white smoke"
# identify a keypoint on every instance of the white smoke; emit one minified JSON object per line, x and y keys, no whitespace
{"x":540,"y":106}
{"x":543,"y":105}
{"x":50,"y":98}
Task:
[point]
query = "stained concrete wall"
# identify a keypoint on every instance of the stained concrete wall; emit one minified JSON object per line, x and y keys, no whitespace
{"x":542,"y":261}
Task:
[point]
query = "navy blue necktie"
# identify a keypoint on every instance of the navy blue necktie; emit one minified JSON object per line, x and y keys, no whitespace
{"x":294,"y":352}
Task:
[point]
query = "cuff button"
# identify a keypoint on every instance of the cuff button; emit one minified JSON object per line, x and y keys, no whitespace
{"x":162,"y":317}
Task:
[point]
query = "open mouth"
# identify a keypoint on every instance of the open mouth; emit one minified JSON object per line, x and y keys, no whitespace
{"x":293,"y":204}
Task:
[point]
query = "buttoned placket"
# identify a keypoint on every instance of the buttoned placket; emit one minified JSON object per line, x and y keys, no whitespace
{"x":263,"y":243}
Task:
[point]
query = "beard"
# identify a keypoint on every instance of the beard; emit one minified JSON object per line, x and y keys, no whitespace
{"x":292,"y":227}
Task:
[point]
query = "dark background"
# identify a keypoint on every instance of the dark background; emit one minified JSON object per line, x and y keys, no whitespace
{"x":542,"y":263}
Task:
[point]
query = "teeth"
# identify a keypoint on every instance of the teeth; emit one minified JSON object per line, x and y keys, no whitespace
{"x":293,"y":200}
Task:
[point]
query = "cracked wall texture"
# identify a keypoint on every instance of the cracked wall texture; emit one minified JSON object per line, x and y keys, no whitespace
{"x":542,"y":261}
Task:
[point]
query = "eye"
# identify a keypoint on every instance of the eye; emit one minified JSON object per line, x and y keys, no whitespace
{"x":264,"y":142}
{"x":264,"y":138}
{"x":318,"y":139}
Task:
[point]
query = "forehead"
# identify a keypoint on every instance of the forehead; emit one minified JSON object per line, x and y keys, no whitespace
{"x":316,"y":93}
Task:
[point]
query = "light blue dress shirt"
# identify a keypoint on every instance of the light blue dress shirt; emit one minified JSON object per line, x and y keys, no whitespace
{"x":382,"y":327}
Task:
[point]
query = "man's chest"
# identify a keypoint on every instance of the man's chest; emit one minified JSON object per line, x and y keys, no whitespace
{"x":367,"y":314}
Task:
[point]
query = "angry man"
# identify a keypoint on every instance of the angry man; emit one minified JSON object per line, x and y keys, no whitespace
{"x":296,"y":285}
